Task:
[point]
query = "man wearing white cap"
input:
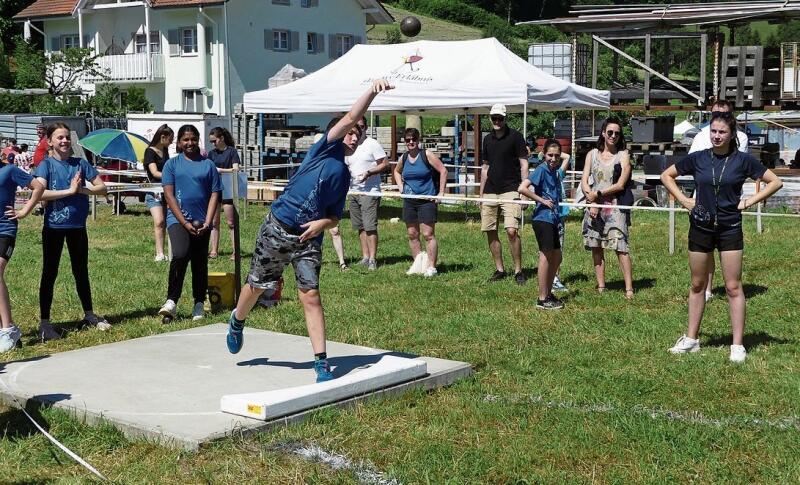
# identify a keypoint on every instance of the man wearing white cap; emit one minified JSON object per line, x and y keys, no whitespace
{"x":505,"y":166}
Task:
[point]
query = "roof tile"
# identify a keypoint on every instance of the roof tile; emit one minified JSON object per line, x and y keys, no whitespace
{"x":61,"y":8}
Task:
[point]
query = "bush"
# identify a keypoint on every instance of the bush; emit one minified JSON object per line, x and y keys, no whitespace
{"x":14,"y":103}
{"x":392,"y":36}
{"x":31,"y":65}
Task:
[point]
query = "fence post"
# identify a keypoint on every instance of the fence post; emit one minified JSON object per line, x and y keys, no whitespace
{"x":759,"y":227}
{"x":671,"y":224}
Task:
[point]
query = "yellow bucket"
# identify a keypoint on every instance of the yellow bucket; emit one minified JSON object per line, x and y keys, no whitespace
{"x":221,"y":290}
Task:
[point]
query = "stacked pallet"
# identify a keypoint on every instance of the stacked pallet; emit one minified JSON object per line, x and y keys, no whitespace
{"x":304,"y":143}
{"x":285,"y":140}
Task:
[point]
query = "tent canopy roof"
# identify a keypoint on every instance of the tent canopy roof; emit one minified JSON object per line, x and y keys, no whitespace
{"x":429,"y":77}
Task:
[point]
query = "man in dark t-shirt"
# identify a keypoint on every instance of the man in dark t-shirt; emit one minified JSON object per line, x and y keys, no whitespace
{"x":505,"y":166}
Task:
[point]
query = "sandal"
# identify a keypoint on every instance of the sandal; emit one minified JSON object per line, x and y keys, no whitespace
{"x":212,"y":255}
{"x":343,"y":266}
{"x":629,"y":294}
{"x":600,"y":289}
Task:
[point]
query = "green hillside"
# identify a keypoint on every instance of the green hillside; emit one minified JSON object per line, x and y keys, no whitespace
{"x":432,"y":29}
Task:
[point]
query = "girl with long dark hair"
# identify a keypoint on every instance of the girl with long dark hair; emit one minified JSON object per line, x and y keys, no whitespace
{"x":226,"y":158}
{"x":715,"y":223}
{"x":154,"y":158}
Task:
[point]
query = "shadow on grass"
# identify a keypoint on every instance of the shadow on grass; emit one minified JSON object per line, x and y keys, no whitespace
{"x":15,"y":425}
{"x":394,"y":259}
{"x":750,"y":290}
{"x":454,"y":267}
{"x":574,"y":278}
{"x":341,"y":365}
{"x":638,"y":285}
{"x":751,"y":340}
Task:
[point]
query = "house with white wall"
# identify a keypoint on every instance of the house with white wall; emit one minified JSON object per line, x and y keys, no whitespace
{"x":201,"y":56}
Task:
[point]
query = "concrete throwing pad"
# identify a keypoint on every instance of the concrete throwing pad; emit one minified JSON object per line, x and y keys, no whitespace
{"x":169,"y":387}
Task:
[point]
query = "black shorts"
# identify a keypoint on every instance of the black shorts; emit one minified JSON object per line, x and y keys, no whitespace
{"x":7,"y":244}
{"x":702,"y":240}
{"x":226,"y":202}
{"x":418,"y":210}
{"x":546,"y":236}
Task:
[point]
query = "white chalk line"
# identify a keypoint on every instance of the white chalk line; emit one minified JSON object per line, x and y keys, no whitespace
{"x":50,"y":437}
{"x":365,"y":472}
{"x":693,"y":417}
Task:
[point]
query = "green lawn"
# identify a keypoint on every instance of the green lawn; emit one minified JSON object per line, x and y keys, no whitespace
{"x":587,"y":394}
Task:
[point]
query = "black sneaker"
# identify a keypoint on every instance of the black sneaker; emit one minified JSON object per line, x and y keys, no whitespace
{"x":549,"y":304}
{"x":497,"y":275}
{"x":520,"y":279}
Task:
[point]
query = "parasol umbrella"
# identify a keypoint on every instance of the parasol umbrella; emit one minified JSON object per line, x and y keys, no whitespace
{"x":115,"y":144}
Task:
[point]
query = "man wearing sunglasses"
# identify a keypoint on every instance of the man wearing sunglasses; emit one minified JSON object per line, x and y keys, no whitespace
{"x":505,"y":166}
{"x":702,"y":141}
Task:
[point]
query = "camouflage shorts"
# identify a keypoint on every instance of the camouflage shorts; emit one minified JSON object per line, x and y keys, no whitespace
{"x":275,"y":249}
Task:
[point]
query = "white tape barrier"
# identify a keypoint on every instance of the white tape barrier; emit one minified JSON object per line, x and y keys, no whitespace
{"x":452,"y":198}
{"x":50,"y":437}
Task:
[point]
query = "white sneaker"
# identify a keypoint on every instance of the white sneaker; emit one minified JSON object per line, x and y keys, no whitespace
{"x":47,"y":332}
{"x":738,"y":354}
{"x":431,"y":271}
{"x":558,"y":285}
{"x":9,"y":338}
{"x":98,"y":321}
{"x":169,"y":309}
{"x":160,"y":258}
{"x":684,"y":345}
{"x":198,"y":312}
{"x":709,"y":296}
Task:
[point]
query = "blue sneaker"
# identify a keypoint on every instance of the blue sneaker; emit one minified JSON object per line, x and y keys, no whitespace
{"x":323,"y":370}
{"x":235,"y":338}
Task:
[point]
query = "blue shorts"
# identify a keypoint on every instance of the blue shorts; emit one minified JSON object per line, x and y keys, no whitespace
{"x":154,"y":200}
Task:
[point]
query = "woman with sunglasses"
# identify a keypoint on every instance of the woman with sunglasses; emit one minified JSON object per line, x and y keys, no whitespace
{"x":420,"y":172}
{"x":226,"y":158}
{"x":610,"y":169}
{"x":715,"y":222}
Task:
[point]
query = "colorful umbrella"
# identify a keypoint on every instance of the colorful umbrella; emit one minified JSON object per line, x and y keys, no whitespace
{"x":115,"y":144}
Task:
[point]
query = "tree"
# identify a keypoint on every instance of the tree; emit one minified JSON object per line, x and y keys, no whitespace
{"x":64,"y":70}
{"x":30,"y":63}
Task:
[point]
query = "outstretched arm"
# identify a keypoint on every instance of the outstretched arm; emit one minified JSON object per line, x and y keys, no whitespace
{"x":358,"y":109}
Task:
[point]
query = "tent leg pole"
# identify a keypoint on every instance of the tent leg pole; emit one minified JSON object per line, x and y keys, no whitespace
{"x":525,"y":121}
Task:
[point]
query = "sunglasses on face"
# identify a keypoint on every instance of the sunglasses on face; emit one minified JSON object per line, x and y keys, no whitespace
{"x":721,"y":114}
{"x":497,"y":118}
{"x":612,"y":133}
{"x":411,"y":140}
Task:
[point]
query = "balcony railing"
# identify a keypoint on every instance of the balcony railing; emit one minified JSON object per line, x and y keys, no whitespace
{"x":130,"y":68}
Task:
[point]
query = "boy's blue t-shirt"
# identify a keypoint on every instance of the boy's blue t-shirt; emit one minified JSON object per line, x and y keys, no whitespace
{"x":318,"y":189}
{"x":193,"y":183}
{"x":11,"y":177}
{"x":546,"y":183}
{"x":728,"y":174}
{"x":69,"y":212}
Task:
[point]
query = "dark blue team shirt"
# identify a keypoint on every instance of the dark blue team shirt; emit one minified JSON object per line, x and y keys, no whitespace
{"x":11,"y":177}
{"x":225,"y":158}
{"x":546,"y":183}
{"x":318,"y":189}
{"x":69,"y":212}
{"x":193,"y":183}
{"x":417,"y":177}
{"x":739,"y":168}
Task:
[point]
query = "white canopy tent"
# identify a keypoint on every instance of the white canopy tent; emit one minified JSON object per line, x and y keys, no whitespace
{"x":429,"y":77}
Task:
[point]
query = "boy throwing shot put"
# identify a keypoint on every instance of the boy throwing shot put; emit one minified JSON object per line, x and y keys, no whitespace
{"x":292,"y":232}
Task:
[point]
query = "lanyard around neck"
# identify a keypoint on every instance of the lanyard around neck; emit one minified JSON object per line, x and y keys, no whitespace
{"x":714,"y":181}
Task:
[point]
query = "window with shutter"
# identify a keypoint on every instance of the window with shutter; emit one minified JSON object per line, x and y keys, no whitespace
{"x":280,"y":40}
{"x":188,"y":41}
{"x":309,"y":3}
{"x":268,"y":39}
{"x":174,"y":40}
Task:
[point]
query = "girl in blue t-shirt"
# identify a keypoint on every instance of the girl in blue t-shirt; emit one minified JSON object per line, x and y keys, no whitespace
{"x":544,"y":187}
{"x":715,"y":222}
{"x":192,"y":188}
{"x":12,"y":177}
{"x":65,"y":216}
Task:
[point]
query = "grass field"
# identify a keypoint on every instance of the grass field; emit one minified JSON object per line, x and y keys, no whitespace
{"x":432,"y":28}
{"x":587,"y":394}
